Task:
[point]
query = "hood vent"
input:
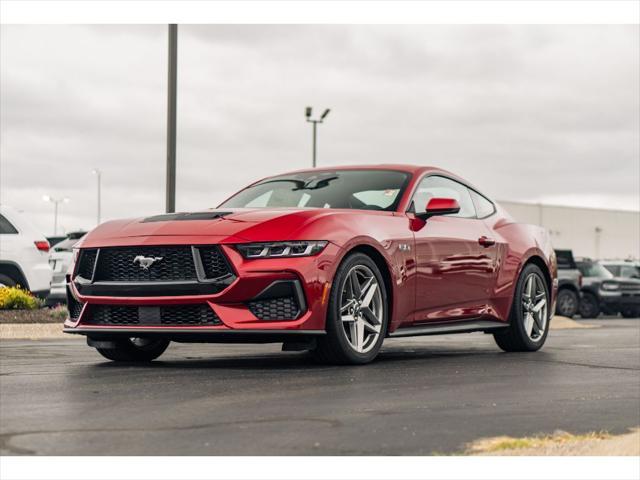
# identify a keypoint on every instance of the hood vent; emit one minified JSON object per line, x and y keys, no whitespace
{"x":169,"y":217}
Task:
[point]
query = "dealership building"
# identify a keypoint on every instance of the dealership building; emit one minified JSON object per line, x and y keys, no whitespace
{"x":589,"y":232}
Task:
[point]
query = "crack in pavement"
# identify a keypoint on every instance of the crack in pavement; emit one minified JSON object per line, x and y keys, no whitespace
{"x":588,"y":365}
{"x":7,"y":438}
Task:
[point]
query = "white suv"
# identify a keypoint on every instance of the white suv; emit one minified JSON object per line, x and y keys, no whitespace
{"x":24,"y":254}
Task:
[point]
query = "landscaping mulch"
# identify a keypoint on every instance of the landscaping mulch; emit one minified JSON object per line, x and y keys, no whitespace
{"x":41,"y":315}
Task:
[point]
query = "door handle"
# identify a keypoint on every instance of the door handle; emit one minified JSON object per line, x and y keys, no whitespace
{"x":486,"y":241}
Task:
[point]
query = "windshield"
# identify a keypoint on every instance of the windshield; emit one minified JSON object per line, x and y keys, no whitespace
{"x":357,"y":189}
{"x":594,"y":270}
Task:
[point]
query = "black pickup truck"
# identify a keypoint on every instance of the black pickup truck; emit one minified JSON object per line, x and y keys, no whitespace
{"x":569,"y":284}
{"x":606,"y":293}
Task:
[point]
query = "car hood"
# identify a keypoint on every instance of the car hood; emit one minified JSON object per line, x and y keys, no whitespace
{"x":220,"y":226}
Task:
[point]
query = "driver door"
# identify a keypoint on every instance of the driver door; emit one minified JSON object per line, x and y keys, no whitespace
{"x":454,"y":270}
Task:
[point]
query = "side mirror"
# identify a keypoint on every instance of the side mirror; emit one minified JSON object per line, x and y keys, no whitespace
{"x":440,"y":206}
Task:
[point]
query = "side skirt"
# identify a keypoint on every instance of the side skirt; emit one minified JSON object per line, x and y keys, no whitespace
{"x":450,"y":327}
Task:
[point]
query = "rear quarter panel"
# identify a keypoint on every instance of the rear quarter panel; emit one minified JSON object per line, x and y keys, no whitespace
{"x":518,"y":244}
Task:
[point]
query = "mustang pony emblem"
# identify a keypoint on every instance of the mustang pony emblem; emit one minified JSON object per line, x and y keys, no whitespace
{"x":146,"y":262}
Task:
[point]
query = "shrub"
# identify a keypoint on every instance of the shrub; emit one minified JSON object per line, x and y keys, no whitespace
{"x":17,"y":298}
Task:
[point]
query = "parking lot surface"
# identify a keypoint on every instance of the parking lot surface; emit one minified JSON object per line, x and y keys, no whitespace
{"x":423,"y":395}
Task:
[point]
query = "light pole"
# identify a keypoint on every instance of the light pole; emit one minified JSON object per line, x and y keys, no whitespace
{"x":55,"y":202}
{"x":170,"y":201}
{"x":98,"y":175}
{"x":308,"y":112}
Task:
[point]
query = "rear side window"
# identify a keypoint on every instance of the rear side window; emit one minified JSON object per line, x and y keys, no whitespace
{"x":6,"y":227}
{"x":442,"y":187}
{"x":484,"y":207}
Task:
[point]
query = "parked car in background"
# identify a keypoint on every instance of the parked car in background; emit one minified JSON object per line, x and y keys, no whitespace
{"x":569,"y":284}
{"x":60,"y":259}
{"x":54,"y":240}
{"x":623,"y":268}
{"x":602,"y":292}
{"x":24,"y":254}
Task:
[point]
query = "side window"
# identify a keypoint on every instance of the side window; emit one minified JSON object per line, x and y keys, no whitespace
{"x":434,"y":186}
{"x":484,"y":207}
{"x":6,"y":227}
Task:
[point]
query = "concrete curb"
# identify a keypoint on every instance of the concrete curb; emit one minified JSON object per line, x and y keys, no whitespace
{"x":33,"y":331}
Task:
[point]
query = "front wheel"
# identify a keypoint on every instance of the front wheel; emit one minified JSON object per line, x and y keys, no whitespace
{"x":358,"y":313}
{"x":589,"y":306}
{"x":630,"y":312}
{"x":134,"y":349}
{"x":529,"y":318}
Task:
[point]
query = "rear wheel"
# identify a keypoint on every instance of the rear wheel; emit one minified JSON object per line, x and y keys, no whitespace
{"x":134,"y":349}
{"x":529,"y":319}
{"x":568,"y":302}
{"x":358,"y":313}
{"x":589,"y":306}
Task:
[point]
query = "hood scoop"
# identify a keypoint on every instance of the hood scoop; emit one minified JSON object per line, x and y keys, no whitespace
{"x":170,"y":217}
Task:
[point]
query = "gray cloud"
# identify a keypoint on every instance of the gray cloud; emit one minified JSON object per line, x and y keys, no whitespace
{"x":530,"y":113}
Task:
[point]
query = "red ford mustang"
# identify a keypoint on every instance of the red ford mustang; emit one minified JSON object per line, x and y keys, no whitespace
{"x":328,"y":260}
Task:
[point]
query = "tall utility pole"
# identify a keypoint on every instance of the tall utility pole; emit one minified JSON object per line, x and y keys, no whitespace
{"x":98,"y":174}
{"x":55,"y":202}
{"x":308,"y":111}
{"x":171,"y":119}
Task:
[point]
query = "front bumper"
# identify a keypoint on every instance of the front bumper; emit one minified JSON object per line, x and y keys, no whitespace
{"x":252,"y":304}
{"x":619,"y":299}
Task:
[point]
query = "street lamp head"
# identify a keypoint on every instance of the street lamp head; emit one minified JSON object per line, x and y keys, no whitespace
{"x":46,"y":198}
{"x":307,"y":112}
{"x":65,"y":200}
{"x":96,"y":171}
{"x":326,"y":112}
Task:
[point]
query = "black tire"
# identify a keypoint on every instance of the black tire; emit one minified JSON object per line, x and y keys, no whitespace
{"x":630,"y":312}
{"x":567,"y":303}
{"x":7,"y":281}
{"x":515,"y":338}
{"x":127,"y":351}
{"x":334,"y":348}
{"x":589,"y":306}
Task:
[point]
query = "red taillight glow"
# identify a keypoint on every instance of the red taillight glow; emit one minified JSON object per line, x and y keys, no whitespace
{"x":42,"y":245}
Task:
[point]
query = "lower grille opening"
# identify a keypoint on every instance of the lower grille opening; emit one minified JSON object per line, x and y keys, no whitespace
{"x":173,"y":315}
{"x":280,"y":308}
{"x":74,"y":306}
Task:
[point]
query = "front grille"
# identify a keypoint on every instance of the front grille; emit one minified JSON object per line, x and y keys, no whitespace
{"x":172,"y":263}
{"x":173,"y":315}
{"x":86,"y":262}
{"x":281,"y":308}
{"x":214,"y":262}
{"x":630,"y":287}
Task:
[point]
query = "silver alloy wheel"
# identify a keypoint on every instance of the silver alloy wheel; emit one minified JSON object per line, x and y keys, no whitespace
{"x":534,"y":307}
{"x":361,"y":308}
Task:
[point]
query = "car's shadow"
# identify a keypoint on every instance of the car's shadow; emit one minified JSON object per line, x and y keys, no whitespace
{"x":305,"y":361}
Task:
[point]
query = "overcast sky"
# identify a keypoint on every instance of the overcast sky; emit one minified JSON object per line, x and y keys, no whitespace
{"x":528,"y":113}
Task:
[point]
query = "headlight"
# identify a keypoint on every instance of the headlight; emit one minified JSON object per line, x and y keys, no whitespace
{"x":304,"y":248}
{"x":610,"y":286}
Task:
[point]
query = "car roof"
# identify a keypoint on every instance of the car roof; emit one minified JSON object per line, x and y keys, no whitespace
{"x":399,"y":167}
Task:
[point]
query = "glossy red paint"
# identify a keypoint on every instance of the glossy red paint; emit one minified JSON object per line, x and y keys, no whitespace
{"x":442,"y":206}
{"x":439,"y":269}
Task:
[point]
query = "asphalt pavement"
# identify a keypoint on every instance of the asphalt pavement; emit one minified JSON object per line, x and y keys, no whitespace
{"x":424,"y":395}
